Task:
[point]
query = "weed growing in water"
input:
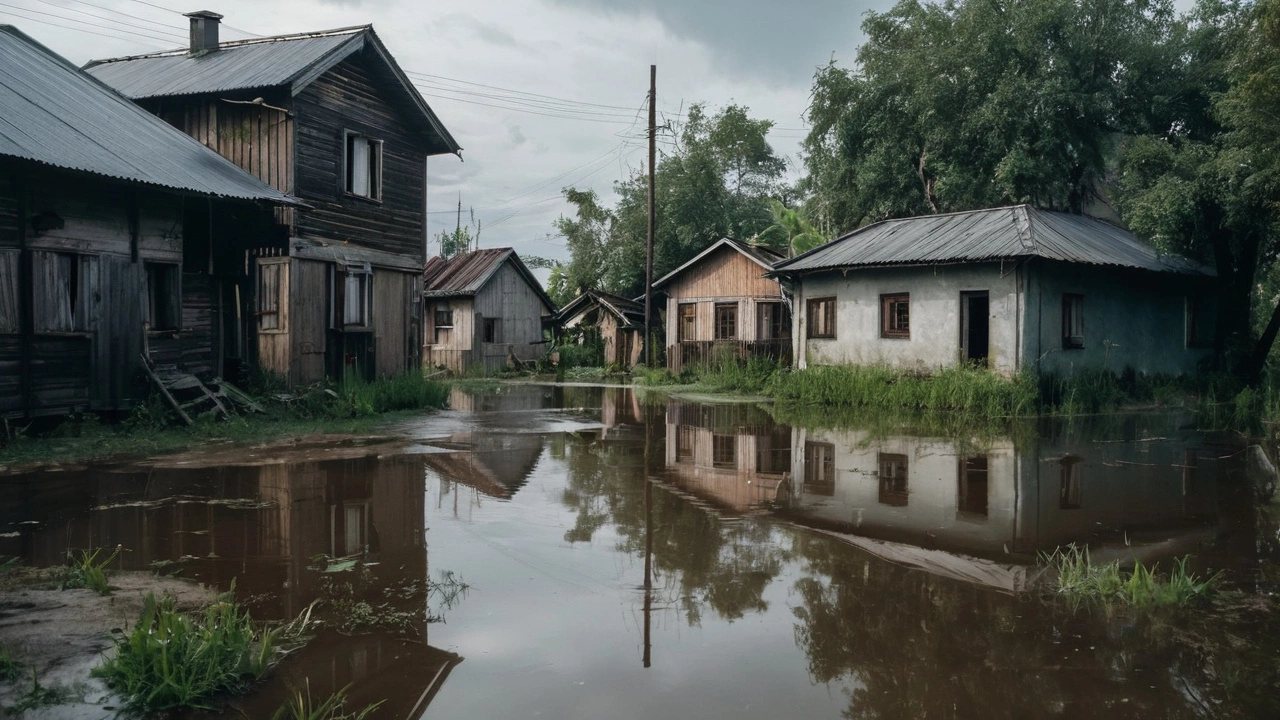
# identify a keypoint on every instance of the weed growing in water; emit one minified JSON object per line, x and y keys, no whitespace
{"x":964,"y":389}
{"x":172,"y":660}
{"x":8,"y":664}
{"x":301,"y":706}
{"x":1083,"y":583}
{"x":87,"y":571}
{"x":36,"y":696}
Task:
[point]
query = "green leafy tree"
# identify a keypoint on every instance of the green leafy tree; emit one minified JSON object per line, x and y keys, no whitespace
{"x":461,"y":239}
{"x":977,"y":104}
{"x":791,"y":232}
{"x":716,"y":183}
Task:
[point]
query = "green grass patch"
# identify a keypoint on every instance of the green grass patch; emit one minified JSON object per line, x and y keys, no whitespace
{"x":88,"y":569}
{"x":1084,"y":583}
{"x":36,"y":696}
{"x":302,"y":706}
{"x":753,"y":376}
{"x":171,"y":660}
{"x":965,"y":389}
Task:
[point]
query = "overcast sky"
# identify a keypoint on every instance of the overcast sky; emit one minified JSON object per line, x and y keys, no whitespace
{"x":517,"y":156}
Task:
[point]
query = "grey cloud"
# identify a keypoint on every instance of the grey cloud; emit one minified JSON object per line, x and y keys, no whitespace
{"x":483,"y":31}
{"x":772,"y":40}
{"x":517,"y":138}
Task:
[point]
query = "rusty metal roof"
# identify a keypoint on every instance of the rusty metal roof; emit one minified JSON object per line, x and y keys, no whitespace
{"x":466,"y":274}
{"x":1020,"y":231}
{"x":54,"y":114}
{"x":288,"y":61}
{"x":628,"y":312}
{"x":762,"y":256}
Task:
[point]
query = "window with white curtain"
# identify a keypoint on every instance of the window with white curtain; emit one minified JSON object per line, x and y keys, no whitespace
{"x":363,"y":166}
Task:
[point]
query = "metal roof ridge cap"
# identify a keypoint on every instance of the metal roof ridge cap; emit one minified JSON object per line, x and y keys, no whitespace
{"x":234,"y":44}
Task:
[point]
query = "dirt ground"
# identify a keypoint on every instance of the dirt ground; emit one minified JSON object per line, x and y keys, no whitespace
{"x":63,"y":634}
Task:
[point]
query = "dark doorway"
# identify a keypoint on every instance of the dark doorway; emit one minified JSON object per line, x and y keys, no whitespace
{"x":975,"y":326}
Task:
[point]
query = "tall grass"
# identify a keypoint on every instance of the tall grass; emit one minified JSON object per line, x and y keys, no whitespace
{"x":88,"y":571}
{"x":9,"y":664}
{"x":1081,"y":582}
{"x":171,"y":660}
{"x":407,"y":391}
{"x":729,"y":374}
{"x":962,"y":389}
{"x":301,"y":706}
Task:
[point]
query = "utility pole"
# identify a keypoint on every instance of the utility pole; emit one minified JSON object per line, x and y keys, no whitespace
{"x":457,"y":231}
{"x":648,"y":253}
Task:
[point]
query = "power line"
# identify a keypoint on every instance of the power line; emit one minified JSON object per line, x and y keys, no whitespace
{"x":109,"y":20}
{"x":168,"y":28}
{"x":97,"y":32}
{"x":522,"y":104}
{"x":82,"y":22}
{"x":524,"y":110}
{"x":520,"y":92}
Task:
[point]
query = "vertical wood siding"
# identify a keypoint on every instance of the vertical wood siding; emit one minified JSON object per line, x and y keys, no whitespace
{"x":348,"y":98}
{"x":392,"y":295}
{"x":519,"y":310}
{"x":308,"y":320}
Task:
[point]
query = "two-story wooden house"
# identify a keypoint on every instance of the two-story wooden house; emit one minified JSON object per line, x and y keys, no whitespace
{"x":332,"y":119}
{"x":113,"y":226}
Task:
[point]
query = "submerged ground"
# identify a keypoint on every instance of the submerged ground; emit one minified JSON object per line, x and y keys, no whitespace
{"x":558,"y":552}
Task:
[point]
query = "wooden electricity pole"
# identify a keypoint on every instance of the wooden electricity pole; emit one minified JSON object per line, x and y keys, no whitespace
{"x":648,"y":252}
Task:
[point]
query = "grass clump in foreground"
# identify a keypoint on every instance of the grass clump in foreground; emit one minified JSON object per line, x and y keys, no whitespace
{"x":1083,"y":583}
{"x":172,"y":660}
{"x":301,"y":706}
{"x":88,"y":571}
{"x":9,"y":664}
{"x":754,"y":375}
{"x":963,"y":389}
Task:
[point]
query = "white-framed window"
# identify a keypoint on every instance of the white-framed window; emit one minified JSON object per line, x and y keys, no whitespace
{"x":353,"y":305}
{"x":273,"y":296}
{"x":363,"y":166}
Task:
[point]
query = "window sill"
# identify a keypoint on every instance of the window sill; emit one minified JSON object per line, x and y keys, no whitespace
{"x":173,"y":332}
{"x":894,"y":337}
{"x":821,"y":337}
{"x":63,"y":333}
{"x":361,"y":198}
{"x":1072,"y":347}
{"x":355,"y":328}
{"x":273,"y":331}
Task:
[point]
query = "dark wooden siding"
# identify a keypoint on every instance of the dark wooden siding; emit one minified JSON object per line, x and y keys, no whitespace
{"x":8,"y":213}
{"x":348,"y":98}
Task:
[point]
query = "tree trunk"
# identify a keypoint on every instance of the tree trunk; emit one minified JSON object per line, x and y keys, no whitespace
{"x":1252,"y":371}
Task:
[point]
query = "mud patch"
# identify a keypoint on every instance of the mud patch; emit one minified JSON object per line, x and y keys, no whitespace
{"x":62,"y":635}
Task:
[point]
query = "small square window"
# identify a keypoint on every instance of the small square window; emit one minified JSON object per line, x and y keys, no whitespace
{"x":492,"y":330}
{"x":821,"y":313}
{"x":727,"y":321}
{"x":363,"y":166}
{"x":724,"y":452}
{"x":356,"y":308}
{"x":164,"y":298}
{"x":893,"y":479}
{"x":687,"y":329}
{"x":1072,"y":322}
{"x":273,"y":297}
{"x":443,"y":317}
{"x":895,"y":316}
{"x":819,"y":468}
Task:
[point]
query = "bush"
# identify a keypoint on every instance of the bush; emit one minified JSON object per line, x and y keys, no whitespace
{"x":87,"y":571}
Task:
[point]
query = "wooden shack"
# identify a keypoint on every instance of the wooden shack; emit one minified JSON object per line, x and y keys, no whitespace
{"x":618,"y":324}
{"x":483,"y":308}
{"x":720,"y":305}
{"x":114,"y":228}
{"x":331,"y":118}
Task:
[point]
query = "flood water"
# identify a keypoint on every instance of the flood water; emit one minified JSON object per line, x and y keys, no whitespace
{"x":579,"y":552}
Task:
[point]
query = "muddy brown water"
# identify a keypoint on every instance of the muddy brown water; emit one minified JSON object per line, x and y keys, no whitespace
{"x":644,"y":559}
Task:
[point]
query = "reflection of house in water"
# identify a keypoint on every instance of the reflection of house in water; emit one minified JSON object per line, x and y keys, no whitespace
{"x":731,"y":456}
{"x":1139,"y":498}
{"x":260,"y":526}
{"x":495,"y":463}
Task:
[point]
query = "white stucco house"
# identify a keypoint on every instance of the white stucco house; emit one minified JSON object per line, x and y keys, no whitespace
{"x":1012,"y":287}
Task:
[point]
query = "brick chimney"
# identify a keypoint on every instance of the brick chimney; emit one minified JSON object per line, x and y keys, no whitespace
{"x":204,"y":31}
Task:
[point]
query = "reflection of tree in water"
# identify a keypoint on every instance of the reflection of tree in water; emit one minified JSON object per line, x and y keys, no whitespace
{"x":908,"y":644}
{"x":698,"y":558}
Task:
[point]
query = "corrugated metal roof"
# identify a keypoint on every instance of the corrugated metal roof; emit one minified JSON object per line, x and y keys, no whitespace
{"x":243,"y":65}
{"x":464,"y":275}
{"x":982,"y":235}
{"x":291,"y":61}
{"x":762,"y":256}
{"x":53,"y":113}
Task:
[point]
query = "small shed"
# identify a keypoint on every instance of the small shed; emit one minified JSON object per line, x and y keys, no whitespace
{"x":720,"y":304}
{"x":1007,"y":288}
{"x":483,"y":308}
{"x":619,"y":322}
